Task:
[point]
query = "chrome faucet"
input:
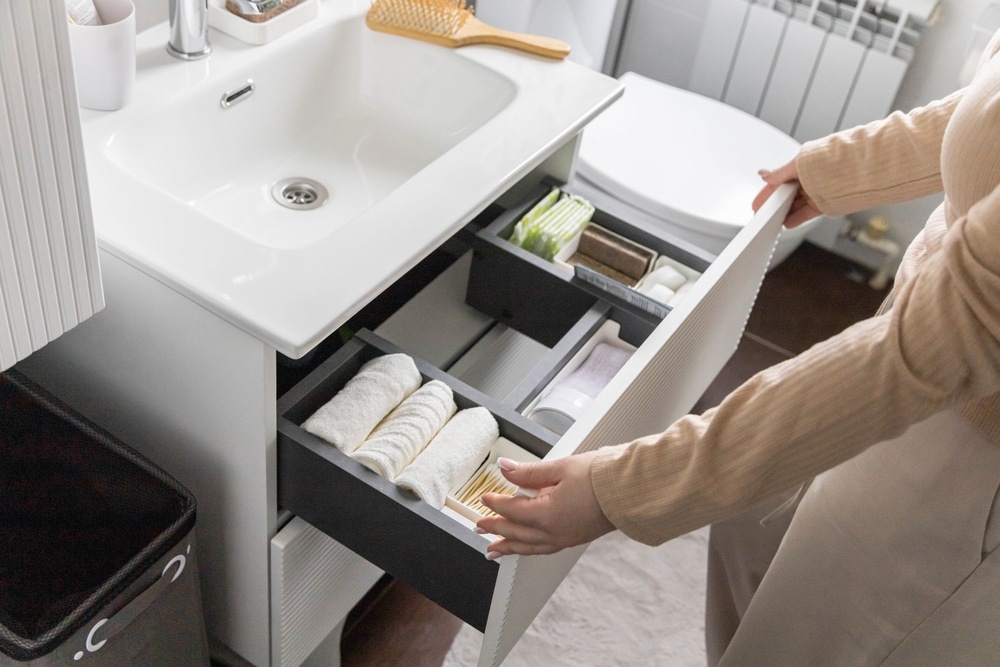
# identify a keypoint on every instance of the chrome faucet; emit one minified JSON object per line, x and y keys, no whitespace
{"x":189,"y":29}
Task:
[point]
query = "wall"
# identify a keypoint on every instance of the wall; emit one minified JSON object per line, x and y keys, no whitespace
{"x":149,"y":12}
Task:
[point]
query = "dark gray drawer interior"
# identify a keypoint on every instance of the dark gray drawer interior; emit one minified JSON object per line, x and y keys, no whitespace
{"x":394,"y":530}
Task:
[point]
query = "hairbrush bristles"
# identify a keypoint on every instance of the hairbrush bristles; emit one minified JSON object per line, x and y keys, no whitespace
{"x":438,"y":17}
{"x":451,"y":23}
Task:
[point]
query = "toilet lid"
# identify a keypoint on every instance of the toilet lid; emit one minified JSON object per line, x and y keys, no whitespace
{"x":680,"y":156}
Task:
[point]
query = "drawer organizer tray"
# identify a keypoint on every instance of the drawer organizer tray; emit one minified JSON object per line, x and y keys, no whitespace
{"x":498,"y":261}
{"x":677,"y":355}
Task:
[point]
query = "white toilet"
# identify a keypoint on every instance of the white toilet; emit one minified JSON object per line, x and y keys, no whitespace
{"x":685,"y":161}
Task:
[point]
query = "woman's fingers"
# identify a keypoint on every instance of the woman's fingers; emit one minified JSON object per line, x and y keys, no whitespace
{"x":802,"y":210}
{"x":530,"y":475}
{"x":517,"y":525}
{"x":564,"y":513}
{"x":516,"y":512}
{"x":762,"y":196}
{"x":508,"y":547}
{"x":519,"y":518}
{"x":786,"y":173}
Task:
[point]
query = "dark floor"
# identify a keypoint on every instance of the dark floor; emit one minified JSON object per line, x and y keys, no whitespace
{"x":811,"y":296}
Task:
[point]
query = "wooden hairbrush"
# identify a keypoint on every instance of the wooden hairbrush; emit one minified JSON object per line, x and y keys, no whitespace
{"x":451,"y":23}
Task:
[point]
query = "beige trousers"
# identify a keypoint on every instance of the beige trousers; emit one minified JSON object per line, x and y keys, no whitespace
{"x":889,"y":559}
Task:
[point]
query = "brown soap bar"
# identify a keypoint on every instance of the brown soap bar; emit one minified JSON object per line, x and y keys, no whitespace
{"x":620,"y":254}
{"x":603,"y":269}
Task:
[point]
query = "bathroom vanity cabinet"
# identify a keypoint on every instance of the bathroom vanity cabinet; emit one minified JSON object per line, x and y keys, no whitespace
{"x":291,"y":532}
{"x":221,"y":331}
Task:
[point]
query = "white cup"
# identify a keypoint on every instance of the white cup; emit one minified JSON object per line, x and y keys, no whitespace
{"x":104,"y":56}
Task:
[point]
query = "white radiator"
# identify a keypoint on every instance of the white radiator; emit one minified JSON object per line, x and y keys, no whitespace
{"x":808,"y":67}
{"x":49,"y":275}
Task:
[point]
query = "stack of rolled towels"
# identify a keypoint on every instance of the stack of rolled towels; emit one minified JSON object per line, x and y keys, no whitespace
{"x":406,"y":430}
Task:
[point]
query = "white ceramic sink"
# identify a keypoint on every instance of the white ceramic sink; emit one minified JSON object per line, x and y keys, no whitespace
{"x":332,"y":107}
{"x":411,"y":140}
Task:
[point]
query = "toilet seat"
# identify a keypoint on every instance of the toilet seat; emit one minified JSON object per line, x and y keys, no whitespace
{"x":716,"y":152}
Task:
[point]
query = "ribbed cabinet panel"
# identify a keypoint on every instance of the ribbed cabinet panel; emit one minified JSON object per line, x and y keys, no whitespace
{"x":315,"y":581}
{"x":49,"y":272}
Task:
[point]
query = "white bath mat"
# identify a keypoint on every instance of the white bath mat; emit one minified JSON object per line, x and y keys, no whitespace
{"x":623,"y":604}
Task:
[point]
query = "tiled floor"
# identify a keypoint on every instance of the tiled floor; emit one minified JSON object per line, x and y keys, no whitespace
{"x":808,"y":298}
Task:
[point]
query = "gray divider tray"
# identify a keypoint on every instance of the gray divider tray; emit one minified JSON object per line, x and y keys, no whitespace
{"x":505,"y":276}
{"x":402,"y":535}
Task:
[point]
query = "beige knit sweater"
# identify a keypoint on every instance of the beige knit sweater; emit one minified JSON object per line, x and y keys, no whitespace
{"x":938,"y":346}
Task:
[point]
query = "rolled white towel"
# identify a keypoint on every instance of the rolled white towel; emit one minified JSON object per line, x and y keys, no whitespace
{"x":398,"y":439}
{"x":377,"y":388}
{"x":451,"y":457}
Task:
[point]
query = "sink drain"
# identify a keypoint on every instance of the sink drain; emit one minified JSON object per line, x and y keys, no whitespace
{"x":299,"y":194}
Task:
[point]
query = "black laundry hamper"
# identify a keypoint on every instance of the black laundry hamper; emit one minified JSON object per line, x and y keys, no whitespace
{"x":97,"y":552}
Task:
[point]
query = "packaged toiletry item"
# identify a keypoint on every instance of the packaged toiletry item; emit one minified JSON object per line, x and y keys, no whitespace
{"x":552,"y":223}
{"x":612,"y":250}
{"x":568,"y":399}
{"x":83,"y":12}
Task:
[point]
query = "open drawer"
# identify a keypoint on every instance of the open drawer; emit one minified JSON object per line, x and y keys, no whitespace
{"x":676,"y":356}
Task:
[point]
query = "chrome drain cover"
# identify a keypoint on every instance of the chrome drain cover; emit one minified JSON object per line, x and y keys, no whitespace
{"x":300,"y":194}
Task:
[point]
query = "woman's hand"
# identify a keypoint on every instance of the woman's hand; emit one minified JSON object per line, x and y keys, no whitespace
{"x":564,"y":513}
{"x":803,"y":209}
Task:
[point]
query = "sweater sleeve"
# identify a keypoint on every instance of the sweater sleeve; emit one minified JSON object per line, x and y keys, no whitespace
{"x":938,"y":347}
{"x":883,"y":162}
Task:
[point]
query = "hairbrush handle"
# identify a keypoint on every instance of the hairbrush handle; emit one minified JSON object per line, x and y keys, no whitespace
{"x":476,"y":32}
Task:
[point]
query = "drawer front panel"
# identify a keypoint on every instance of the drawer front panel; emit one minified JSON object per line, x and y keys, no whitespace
{"x":314,"y":584}
{"x":661,"y":382}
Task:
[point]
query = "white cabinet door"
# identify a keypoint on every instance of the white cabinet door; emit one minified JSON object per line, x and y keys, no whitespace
{"x":49,"y":274}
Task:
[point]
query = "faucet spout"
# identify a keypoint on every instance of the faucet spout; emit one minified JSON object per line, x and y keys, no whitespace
{"x":189,"y":29}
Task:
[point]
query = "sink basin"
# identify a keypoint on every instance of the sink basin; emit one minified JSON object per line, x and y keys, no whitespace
{"x":334,"y":108}
{"x":409,"y":141}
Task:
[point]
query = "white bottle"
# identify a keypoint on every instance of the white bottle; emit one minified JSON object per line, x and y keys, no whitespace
{"x":83,"y":12}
